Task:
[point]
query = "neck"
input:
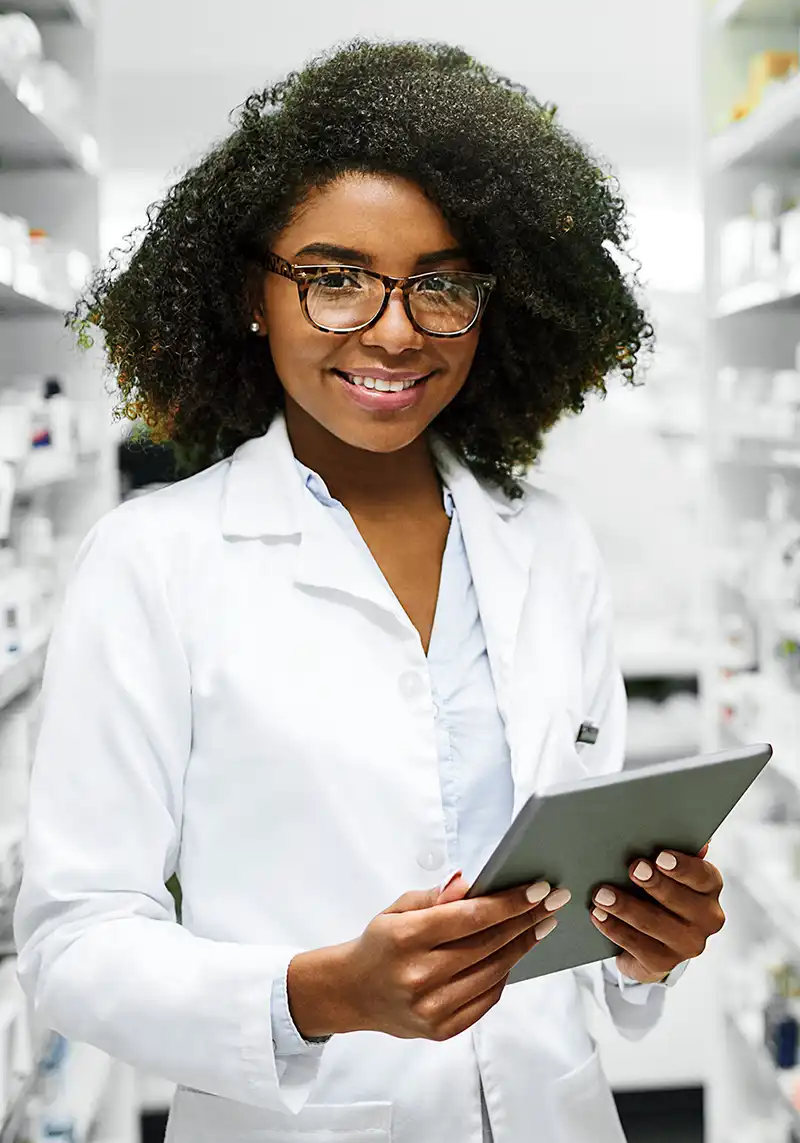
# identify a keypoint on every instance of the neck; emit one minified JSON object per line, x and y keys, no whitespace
{"x":372,"y":484}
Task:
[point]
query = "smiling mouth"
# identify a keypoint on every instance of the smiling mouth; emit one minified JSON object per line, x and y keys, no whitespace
{"x":378,"y":384}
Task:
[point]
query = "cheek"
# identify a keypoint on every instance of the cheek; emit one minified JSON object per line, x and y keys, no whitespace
{"x":459,"y":355}
{"x":295,"y":345}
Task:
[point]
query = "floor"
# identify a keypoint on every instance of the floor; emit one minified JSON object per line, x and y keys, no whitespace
{"x":647,"y":1117}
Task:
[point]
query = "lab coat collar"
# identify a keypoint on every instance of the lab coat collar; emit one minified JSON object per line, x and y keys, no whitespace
{"x":265,"y":495}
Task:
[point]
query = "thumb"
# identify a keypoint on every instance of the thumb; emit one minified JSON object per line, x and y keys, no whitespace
{"x":453,"y":889}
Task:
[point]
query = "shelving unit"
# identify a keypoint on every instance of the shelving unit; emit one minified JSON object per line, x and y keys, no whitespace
{"x":753,"y":327}
{"x":771,"y":134}
{"x":79,"y":12}
{"x":738,"y":13}
{"x":29,"y":139}
{"x":49,"y":170}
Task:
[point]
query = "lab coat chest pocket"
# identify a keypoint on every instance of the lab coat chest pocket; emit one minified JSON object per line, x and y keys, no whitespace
{"x":208,"y":1119}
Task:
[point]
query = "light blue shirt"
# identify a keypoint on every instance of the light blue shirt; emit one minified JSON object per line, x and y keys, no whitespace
{"x":472,"y":752}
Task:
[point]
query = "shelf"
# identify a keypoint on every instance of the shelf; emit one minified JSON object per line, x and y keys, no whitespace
{"x":87,"y":1073}
{"x":18,"y":675}
{"x":758,"y":297}
{"x":45,"y":474}
{"x":79,"y":12}
{"x":787,"y":1082}
{"x":769,"y":135}
{"x":27,"y":139}
{"x":777,"y":902}
{"x":13,"y":303}
{"x":729,"y":13}
{"x":781,"y":452}
{"x":657,"y":655}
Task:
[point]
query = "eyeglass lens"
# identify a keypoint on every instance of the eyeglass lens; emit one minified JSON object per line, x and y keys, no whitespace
{"x":344,"y":299}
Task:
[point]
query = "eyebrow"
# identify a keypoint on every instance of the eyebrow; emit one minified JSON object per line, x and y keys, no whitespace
{"x":346,"y":254}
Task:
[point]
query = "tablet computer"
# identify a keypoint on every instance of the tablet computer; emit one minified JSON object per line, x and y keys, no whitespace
{"x":580,"y":835}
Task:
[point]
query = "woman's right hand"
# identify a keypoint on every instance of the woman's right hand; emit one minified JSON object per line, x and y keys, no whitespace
{"x":428,"y":967}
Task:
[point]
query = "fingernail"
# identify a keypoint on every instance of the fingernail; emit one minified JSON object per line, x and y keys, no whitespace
{"x":545,"y":928}
{"x":605,"y":897}
{"x":643,"y":872}
{"x":538,"y":892}
{"x":449,"y":880}
{"x":557,"y":900}
{"x":601,"y":916}
{"x":666,"y":861}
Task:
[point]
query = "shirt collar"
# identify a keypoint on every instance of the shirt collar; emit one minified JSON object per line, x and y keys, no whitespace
{"x":316,"y":485}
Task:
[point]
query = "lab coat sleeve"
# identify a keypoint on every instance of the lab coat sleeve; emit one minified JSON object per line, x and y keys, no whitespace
{"x":634,"y":1008}
{"x":100,"y":954}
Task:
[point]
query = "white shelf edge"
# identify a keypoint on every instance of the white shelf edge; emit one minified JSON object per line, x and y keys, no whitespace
{"x":780,"y":109}
{"x":755,"y":296}
{"x":80,"y":12}
{"x":725,"y":12}
{"x":24,"y":94}
{"x":776,"y":905}
{"x":20,"y":674}
{"x":781,"y":1078}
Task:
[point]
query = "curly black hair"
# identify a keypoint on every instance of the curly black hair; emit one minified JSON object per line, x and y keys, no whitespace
{"x":522,"y":196}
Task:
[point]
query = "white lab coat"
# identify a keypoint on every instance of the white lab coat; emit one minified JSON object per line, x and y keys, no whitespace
{"x":233,"y":694}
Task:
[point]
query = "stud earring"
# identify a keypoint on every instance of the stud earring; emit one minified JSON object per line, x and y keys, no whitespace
{"x":255,"y":327}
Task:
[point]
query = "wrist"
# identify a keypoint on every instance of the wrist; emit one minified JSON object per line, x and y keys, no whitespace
{"x":318,"y":992}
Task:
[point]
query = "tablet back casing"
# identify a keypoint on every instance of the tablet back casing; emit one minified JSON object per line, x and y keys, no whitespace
{"x":587,"y":834}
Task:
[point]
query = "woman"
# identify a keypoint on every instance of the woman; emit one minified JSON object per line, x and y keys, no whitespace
{"x":337,"y":659}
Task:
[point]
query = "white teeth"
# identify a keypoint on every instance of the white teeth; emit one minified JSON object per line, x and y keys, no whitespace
{"x":381,"y":385}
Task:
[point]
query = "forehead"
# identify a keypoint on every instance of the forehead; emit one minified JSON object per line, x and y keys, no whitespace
{"x":380,"y":214}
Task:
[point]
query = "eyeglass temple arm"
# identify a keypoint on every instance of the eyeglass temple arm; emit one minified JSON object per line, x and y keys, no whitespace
{"x":279,"y":265}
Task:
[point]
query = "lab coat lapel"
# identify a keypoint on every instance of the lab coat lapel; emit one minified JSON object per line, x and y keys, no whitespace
{"x":519,"y":617}
{"x":265,"y":497}
{"x":521,"y":600}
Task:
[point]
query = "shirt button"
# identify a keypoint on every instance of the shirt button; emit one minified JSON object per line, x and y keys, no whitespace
{"x":431,"y":859}
{"x":411,"y":685}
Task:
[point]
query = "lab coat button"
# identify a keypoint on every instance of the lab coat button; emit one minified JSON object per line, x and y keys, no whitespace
{"x":431,"y":859}
{"x":411,"y":685}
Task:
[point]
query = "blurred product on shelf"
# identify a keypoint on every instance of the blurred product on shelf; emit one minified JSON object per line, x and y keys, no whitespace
{"x":763,"y":246}
{"x":20,"y":47}
{"x":42,"y":85}
{"x":765,"y":71}
{"x":36,"y":266}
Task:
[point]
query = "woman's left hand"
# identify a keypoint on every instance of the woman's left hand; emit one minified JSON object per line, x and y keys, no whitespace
{"x":674,"y":926}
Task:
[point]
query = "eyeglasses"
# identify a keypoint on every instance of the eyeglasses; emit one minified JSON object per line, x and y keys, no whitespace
{"x":345,"y":299}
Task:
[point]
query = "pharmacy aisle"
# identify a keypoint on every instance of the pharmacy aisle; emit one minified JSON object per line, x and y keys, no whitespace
{"x":752,"y":685}
{"x":57,"y":475}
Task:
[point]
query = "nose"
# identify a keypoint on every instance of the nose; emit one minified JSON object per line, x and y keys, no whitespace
{"x":393,"y":332}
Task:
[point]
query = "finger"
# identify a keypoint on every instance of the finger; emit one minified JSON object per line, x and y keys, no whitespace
{"x":694,"y":872}
{"x":471,"y":1012}
{"x":654,"y":956}
{"x":453,"y":889}
{"x":414,"y":900}
{"x":703,"y":851}
{"x":457,"y":919}
{"x":649,"y":918}
{"x":695,"y":908}
{"x":459,"y":956}
{"x":460,"y":991}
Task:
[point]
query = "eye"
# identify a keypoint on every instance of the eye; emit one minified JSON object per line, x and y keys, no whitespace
{"x":335,"y":280}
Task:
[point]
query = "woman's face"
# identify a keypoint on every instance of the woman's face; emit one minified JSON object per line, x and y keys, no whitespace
{"x":383,"y":223}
